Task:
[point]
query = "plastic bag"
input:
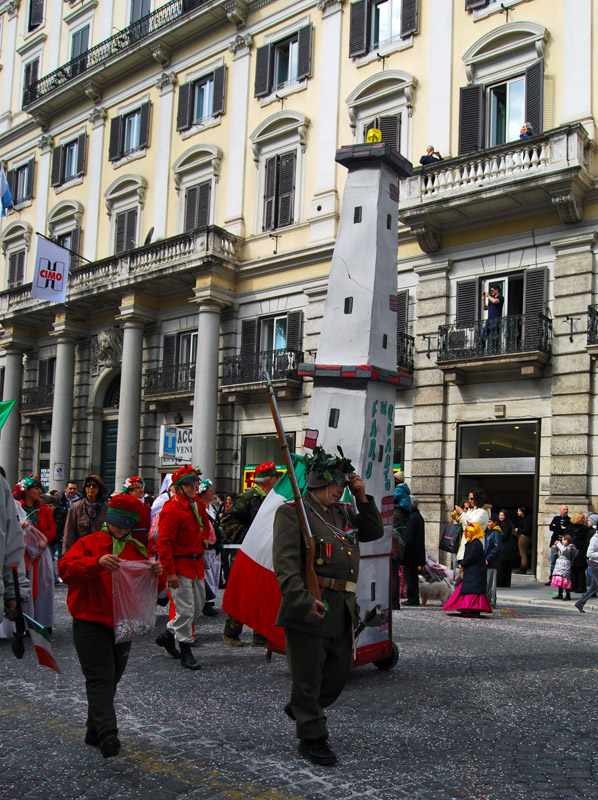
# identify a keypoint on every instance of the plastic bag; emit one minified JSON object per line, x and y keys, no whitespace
{"x":134,"y":596}
{"x":152,"y":536}
{"x":35,"y":541}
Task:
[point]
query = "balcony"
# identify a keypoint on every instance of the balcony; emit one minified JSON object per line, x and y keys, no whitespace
{"x":172,"y":382}
{"x":158,"y":270}
{"x":404,"y":353}
{"x":244,"y":377}
{"x":553,"y":170}
{"x":156,"y":35}
{"x":518,"y":343}
{"x":592,"y":340}
{"x":40,"y":398}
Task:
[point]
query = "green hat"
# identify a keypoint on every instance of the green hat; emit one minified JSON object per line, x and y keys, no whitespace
{"x":324,"y":468}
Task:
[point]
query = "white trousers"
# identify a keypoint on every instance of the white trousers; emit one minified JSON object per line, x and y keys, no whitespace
{"x":211,"y":560}
{"x":491,"y":575}
{"x":189,"y":599}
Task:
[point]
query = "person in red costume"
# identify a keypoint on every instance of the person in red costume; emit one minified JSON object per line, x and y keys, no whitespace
{"x":40,"y":570}
{"x":87,"y":570}
{"x":182,"y":526}
{"x":135,"y":486}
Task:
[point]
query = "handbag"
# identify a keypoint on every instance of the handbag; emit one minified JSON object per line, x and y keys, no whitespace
{"x":449,"y":541}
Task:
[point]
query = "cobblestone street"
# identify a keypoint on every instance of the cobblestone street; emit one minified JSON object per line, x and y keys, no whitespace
{"x":502,"y":709}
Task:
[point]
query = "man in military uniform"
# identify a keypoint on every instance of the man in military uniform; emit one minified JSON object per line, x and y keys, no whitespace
{"x":319,"y":634}
{"x":235,"y":523}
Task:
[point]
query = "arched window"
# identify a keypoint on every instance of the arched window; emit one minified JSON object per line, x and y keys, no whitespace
{"x":124,"y":202}
{"x":196,"y":175}
{"x":16,"y":241}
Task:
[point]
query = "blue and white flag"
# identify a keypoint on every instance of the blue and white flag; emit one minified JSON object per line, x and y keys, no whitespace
{"x":51,"y":271}
{"x":5,"y":193}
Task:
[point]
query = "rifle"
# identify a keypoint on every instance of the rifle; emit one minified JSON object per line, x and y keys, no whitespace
{"x":311,"y":578}
{"x":18,"y":643}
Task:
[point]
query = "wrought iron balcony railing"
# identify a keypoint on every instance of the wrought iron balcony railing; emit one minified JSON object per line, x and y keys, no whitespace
{"x":170,"y":379}
{"x":593,"y":324}
{"x":280,"y":364}
{"x":127,"y":38}
{"x":517,"y":333}
{"x":37,"y":398}
{"x":405,"y":352}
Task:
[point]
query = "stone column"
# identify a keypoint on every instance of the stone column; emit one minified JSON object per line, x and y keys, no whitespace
{"x":94,"y":180}
{"x":10,"y":433}
{"x":62,"y":407}
{"x":429,"y":454}
{"x":239,"y":98}
{"x":166,"y":83}
{"x":134,"y":317}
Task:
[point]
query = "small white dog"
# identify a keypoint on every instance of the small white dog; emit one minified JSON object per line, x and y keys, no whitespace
{"x":439,"y":590}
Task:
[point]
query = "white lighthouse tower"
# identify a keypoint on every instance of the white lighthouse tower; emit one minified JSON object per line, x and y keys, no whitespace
{"x":355,"y":372}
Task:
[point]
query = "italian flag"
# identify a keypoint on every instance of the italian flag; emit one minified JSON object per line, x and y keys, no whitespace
{"x":41,"y":641}
{"x":252,"y":595}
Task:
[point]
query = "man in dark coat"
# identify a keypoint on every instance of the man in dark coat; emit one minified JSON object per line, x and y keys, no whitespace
{"x":415,"y":552}
{"x":319,"y":633}
{"x":65,"y":501}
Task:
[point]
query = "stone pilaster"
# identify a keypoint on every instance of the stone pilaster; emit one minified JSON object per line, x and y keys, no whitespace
{"x":14,"y":347}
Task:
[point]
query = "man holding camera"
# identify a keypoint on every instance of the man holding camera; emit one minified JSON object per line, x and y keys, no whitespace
{"x":493,"y":304}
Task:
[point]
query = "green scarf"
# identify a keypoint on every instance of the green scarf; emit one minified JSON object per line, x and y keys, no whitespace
{"x":259,"y":490}
{"x":118,"y":545}
{"x":193,"y":505}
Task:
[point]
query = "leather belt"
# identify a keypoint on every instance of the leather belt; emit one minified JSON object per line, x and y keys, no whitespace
{"x":193,"y":557}
{"x":337,"y":584}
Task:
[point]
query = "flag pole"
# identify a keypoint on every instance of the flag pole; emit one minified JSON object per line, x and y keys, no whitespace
{"x":68,"y":249}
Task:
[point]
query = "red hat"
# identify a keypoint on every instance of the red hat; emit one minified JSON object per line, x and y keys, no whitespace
{"x":186,"y":474}
{"x":124,"y":511}
{"x":266,"y":470}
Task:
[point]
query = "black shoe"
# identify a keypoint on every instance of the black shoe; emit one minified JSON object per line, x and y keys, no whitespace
{"x":548,"y":583}
{"x":410,"y":603}
{"x":288,"y":710}
{"x":579,"y":607}
{"x":259,"y":641}
{"x":566,"y":598}
{"x":317,"y":751}
{"x":521,"y":571}
{"x":163,"y":601}
{"x":110,"y":746}
{"x":92,"y":738}
{"x":168,"y":642}
{"x":187,"y":658}
{"x":209,"y":610}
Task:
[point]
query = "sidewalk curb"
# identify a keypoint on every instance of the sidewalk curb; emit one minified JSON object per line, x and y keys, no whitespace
{"x":534,"y":601}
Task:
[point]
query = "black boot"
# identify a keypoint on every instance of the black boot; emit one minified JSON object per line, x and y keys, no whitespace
{"x":559,"y":596}
{"x":168,"y":642}
{"x":187,"y":658}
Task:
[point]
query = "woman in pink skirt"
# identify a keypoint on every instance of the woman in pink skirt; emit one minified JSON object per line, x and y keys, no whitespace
{"x":561,"y":576}
{"x":469,"y":598}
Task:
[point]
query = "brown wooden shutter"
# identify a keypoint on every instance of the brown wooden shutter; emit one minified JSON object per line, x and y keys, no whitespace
{"x":115,"y":146}
{"x":270,"y":182}
{"x":191,"y":196}
{"x":30,"y":178}
{"x":121,"y":228}
{"x":402,"y":311}
{"x":534,"y":291}
{"x":286,"y":189}
{"x":144,"y":125}
{"x":390,"y":128}
{"x":75,"y":247}
{"x":471,"y":118}
{"x":294,"y":330}
{"x":169,"y":351}
{"x":131,"y":229}
{"x":81,"y":153}
{"x":304,"y":54}
{"x":263,"y":71}
{"x":219,"y":89}
{"x":56,"y":176}
{"x":248,"y":351}
{"x":203,"y":204}
{"x":183,"y":117}
{"x":534,"y":95}
{"x":358,"y":29}
{"x":409,"y":17}
{"x":467,"y":302}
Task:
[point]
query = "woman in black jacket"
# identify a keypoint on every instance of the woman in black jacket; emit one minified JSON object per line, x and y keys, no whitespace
{"x":508,"y":551}
{"x":580,"y":534}
{"x":469,"y":598}
{"x":524,"y":536}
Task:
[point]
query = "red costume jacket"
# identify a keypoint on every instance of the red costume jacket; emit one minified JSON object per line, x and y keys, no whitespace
{"x":45,"y":521}
{"x":89,"y":585}
{"x":179,"y":535}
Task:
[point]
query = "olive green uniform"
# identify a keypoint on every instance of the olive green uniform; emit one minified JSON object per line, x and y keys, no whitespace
{"x":319,"y":653}
{"x":235,"y":523}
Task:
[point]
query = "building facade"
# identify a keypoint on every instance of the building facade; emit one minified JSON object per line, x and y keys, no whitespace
{"x":184,"y":151}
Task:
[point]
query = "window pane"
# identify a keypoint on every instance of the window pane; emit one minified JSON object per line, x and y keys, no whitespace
{"x":65,"y":240}
{"x":281,"y":65}
{"x":498,"y":114}
{"x":70,"y":161}
{"x":22,"y":175}
{"x":187,"y":348}
{"x":132,"y":128}
{"x":386,"y":20}
{"x":204,"y":100}
{"x":280,"y":335}
{"x":267,"y":335}
{"x":293,"y":60}
{"x":516,"y":108}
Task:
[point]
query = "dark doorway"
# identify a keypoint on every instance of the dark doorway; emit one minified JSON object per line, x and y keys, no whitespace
{"x":108,"y":462}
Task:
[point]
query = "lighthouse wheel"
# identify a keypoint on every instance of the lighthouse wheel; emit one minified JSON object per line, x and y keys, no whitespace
{"x":391,"y":661}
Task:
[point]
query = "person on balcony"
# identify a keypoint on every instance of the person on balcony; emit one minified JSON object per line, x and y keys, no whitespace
{"x":493,"y":303}
{"x":431,"y":157}
{"x":526,"y":131}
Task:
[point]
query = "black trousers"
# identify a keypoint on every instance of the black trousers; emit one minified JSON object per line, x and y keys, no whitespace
{"x":103,"y":664}
{"x":319,"y":668}
{"x":410,"y":574}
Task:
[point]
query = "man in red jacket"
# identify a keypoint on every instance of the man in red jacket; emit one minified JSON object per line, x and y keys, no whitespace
{"x":181,"y":529}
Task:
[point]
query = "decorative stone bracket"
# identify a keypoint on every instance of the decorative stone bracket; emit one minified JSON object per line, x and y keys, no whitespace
{"x":236,"y":12}
{"x":427,"y":237}
{"x":570,"y":209}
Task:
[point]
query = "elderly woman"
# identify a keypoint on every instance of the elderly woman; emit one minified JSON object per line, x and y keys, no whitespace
{"x":40,"y":570}
{"x":135,"y":487}
{"x":86,"y":515}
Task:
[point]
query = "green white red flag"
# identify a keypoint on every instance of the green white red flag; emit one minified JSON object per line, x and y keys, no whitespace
{"x":41,"y":642}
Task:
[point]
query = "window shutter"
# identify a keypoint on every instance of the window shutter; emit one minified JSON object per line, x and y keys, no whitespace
{"x":56,"y":177}
{"x":409,"y":17}
{"x":304,"y":55}
{"x":469,"y":4}
{"x":203,"y":204}
{"x":263,"y":67}
{"x":11,"y":181}
{"x":535,"y":291}
{"x":183,"y":117}
{"x":390,"y":128}
{"x":270,"y":192}
{"x":42,"y":372}
{"x":75,"y":247}
{"x":115,"y":146}
{"x":131,"y":229}
{"x":169,"y":351}
{"x":471,"y":118}
{"x":191,"y":196}
{"x":294,"y":330}
{"x":219,"y":87}
{"x":358,"y":29}
{"x":286,"y":189}
{"x":121,"y":225}
{"x":144,"y":125}
{"x":81,"y":152}
{"x":467,"y":302}
{"x":402,"y":311}
{"x":534,"y":95}
{"x":30,"y":177}
{"x":36,"y":13}
{"x":30,"y":78}
{"x":16,"y":269}
{"x":248,"y":349}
